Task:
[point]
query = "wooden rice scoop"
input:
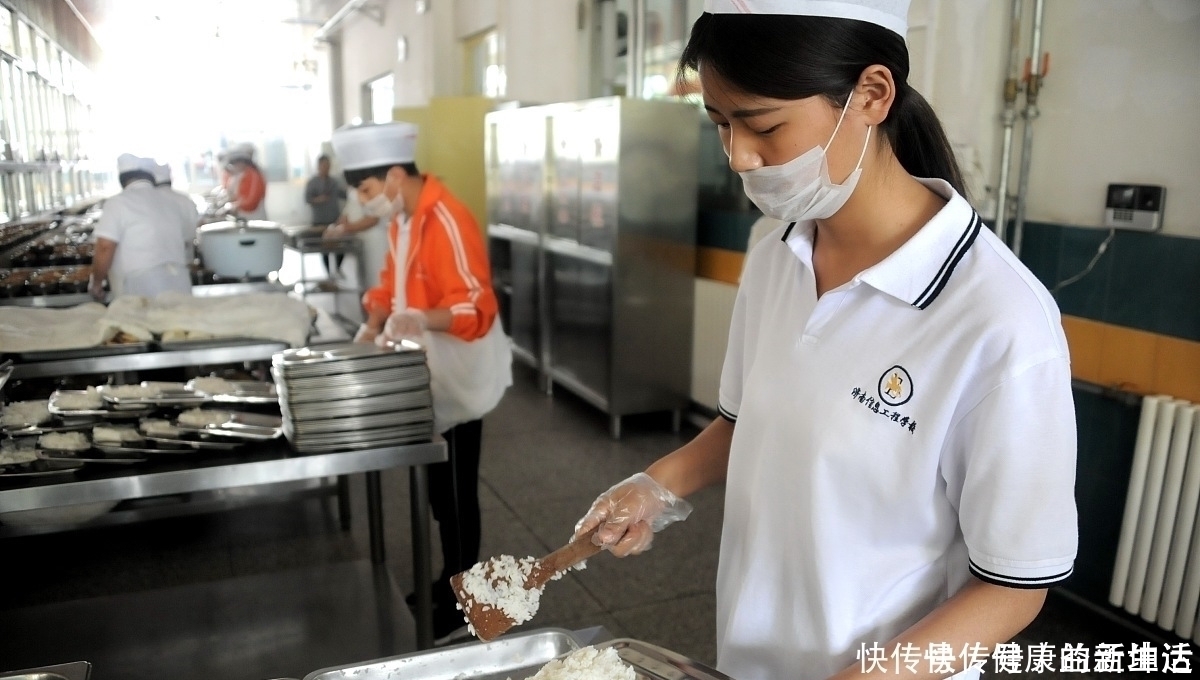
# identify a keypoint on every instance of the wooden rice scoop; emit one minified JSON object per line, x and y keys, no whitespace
{"x":491,"y":622}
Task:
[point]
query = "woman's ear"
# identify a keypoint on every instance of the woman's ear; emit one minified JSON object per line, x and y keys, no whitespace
{"x":874,"y":94}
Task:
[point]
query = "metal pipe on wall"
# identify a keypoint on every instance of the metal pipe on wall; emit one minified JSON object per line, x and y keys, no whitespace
{"x":1012,"y":87}
{"x":1037,"y":67}
{"x":635,"y":55}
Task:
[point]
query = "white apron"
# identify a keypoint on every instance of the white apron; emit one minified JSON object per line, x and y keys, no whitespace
{"x":151,"y":281}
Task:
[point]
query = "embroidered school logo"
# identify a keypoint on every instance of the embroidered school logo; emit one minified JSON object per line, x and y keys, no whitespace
{"x":895,"y":386}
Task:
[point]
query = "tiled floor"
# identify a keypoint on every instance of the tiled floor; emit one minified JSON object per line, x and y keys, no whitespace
{"x":544,"y":459}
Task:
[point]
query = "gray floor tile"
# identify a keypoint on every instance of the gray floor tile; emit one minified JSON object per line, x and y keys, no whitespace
{"x":684,"y":625}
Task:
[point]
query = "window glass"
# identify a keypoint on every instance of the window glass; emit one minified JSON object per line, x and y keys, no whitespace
{"x":383,"y":98}
{"x":43,"y":56}
{"x":6,"y":30}
{"x":25,"y":43}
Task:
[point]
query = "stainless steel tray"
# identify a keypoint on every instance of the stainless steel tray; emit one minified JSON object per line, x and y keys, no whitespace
{"x":86,"y":352}
{"x":185,"y":445}
{"x":241,"y":392}
{"x":120,"y":456}
{"x":651,"y":662}
{"x":55,"y":425}
{"x":242,"y":426}
{"x":367,"y":406}
{"x":76,"y":670}
{"x":169,"y":394}
{"x":512,"y":656}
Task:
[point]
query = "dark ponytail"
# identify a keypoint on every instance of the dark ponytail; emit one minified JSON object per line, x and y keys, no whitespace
{"x":794,"y":57}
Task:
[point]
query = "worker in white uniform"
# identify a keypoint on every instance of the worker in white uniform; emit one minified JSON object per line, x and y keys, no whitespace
{"x":189,"y":216}
{"x":141,"y":242}
{"x":896,"y":431}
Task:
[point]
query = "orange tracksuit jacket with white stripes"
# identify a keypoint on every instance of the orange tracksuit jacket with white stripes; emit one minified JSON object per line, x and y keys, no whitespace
{"x":447,"y":265}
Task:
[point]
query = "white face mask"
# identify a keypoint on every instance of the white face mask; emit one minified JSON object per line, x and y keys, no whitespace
{"x":801,"y":189}
{"x":379,"y":206}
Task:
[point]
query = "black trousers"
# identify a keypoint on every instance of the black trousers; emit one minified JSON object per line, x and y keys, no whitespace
{"x":454,"y":500}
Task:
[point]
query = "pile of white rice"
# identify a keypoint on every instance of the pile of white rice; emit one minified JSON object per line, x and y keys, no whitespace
{"x":201,"y":418}
{"x":132,"y":391}
{"x":159,"y":427}
{"x":104,"y":434}
{"x":64,"y":441}
{"x":24,"y":414}
{"x":588,"y":663}
{"x":88,"y":400}
{"x":212,"y":385}
{"x":12,"y":454}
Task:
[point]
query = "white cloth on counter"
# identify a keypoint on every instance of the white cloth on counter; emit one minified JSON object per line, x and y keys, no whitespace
{"x":273,"y":316}
{"x":25,"y":329}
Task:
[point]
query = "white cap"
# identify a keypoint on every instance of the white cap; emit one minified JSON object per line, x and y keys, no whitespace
{"x":162,"y":173}
{"x":127,"y":162}
{"x":240,"y":152}
{"x":891,"y":14}
{"x":372,"y":145}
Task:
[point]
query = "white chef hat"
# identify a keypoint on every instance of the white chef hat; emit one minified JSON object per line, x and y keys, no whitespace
{"x":128,"y":162}
{"x":241,"y":152}
{"x":372,"y":145}
{"x":162,"y":173}
{"x":891,"y":14}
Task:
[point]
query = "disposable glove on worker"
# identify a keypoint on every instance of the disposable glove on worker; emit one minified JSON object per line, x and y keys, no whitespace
{"x":365,"y":334}
{"x":411,"y":323}
{"x":629,"y":514}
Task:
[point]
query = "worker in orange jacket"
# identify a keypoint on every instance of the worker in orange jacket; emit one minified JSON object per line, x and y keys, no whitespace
{"x":250,"y":188}
{"x":435,"y":287}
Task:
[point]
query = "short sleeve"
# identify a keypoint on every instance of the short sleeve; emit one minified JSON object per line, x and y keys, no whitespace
{"x":729,"y":399}
{"x":110,"y":224}
{"x":1010,"y":469}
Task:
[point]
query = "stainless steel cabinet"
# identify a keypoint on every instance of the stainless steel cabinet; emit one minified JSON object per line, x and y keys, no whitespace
{"x":597,"y":277}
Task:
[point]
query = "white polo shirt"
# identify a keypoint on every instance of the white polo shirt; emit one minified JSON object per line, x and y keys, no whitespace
{"x":909,"y":428}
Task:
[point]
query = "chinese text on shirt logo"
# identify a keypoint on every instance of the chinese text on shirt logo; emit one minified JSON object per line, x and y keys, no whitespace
{"x":862,"y":396}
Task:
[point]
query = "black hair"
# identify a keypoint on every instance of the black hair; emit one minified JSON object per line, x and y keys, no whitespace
{"x":323,"y":157}
{"x":794,"y":57}
{"x":379,"y":172}
{"x":130,"y":176}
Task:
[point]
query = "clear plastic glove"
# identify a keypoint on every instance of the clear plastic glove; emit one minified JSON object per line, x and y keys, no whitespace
{"x":365,"y":334}
{"x":630,"y":513}
{"x":333,"y":231}
{"x":411,"y":323}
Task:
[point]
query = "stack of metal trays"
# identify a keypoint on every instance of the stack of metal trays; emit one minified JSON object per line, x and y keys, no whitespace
{"x":353,"y":396}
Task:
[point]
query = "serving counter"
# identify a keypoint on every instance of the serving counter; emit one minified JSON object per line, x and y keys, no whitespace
{"x":265,"y":463}
{"x":158,"y":355}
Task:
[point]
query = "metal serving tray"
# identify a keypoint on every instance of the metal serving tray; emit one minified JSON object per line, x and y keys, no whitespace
{"x":86,"y":352}
{"x":655,"y":663}
{"x":241,"y":392}
{"x":242,"y":426}
{"x":169,"y":394}
{"x":512,"y":656}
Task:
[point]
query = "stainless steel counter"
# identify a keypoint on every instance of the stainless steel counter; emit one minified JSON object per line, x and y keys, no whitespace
{"x":261,"y":464}
{"x":206,"y":354}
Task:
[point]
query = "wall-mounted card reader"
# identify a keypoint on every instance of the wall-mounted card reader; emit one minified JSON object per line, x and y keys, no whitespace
{"x":1134,"y":206}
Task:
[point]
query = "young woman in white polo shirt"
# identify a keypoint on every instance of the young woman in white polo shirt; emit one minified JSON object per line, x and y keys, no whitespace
{"x":897,"y":436}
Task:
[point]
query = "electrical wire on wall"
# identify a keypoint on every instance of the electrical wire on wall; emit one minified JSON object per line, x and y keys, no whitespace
{"x":1090,"y":266}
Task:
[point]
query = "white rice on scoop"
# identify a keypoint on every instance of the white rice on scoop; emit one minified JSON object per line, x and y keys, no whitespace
{"x":500,"y":583}
{"x":588,"y":663}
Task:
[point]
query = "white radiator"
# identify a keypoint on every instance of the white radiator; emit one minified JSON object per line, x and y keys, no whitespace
{"x":1157,"y":572}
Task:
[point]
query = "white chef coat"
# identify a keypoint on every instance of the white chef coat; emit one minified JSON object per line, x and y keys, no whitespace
{"x":373,"y":242}
{"x":189,"y":216}
{"x":147,"y":226}
{"x":903,"y":431}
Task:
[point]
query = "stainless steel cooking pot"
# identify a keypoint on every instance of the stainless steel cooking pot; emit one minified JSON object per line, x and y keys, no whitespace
{"x":241,"y":249}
